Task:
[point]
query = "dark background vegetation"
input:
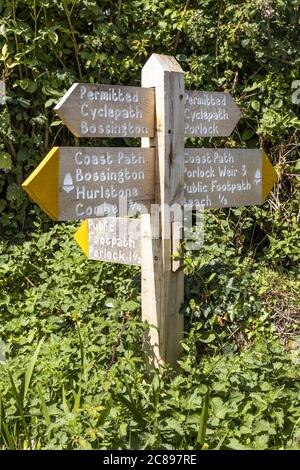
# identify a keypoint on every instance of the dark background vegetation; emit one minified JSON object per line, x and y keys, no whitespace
{"x":87,"y":387}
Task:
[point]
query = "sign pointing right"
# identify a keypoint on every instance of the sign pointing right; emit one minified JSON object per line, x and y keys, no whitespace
{"x":209,"y":114}
{"x":219,"y":178}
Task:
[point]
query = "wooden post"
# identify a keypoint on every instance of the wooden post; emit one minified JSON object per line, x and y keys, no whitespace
{"x":162,"y":289}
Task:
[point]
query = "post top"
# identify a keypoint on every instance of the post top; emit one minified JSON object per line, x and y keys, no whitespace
{"x":166,"y":63}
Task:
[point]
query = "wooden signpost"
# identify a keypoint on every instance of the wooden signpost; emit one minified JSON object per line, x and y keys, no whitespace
{"x":92,"y":182}
{"x":163,"y":289}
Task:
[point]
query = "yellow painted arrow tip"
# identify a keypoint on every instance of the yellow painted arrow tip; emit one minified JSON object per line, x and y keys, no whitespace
{"x":82,"y":237}
{"x":42,"y":184}
{"x":269,"y":176}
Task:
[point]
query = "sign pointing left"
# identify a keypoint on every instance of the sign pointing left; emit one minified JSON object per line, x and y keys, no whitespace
{"x":93,"y":110}
{"x":79,"y":182}
{"x":114,"y":239}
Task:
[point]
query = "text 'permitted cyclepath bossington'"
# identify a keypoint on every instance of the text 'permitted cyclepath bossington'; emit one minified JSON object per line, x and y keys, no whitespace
{"x":108,"y":111}
{"x":94,"y":180}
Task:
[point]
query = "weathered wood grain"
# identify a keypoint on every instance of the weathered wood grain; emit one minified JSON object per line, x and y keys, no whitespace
{"x":217,"y":178}
{"x":113,"y":239}
{"x":86,"y":182}
{"x":162,"y":289}
{"x":94,"y":110}
{"x":209,"y":114}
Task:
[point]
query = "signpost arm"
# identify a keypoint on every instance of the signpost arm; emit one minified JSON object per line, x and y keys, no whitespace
{"x":162,"y":289}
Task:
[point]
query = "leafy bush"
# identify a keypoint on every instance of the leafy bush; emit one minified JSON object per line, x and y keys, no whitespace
{"x":89,"y":388}
{"x":233,"y":292}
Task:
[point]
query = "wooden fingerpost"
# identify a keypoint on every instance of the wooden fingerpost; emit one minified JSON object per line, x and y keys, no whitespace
{"x":162,"y":288}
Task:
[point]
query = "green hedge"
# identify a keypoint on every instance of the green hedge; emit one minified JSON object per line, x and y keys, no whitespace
{"x":249,"y":49}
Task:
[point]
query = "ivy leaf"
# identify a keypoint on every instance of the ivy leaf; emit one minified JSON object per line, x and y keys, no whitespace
{"x":255,"y":105}
{"x":130,"y":306}
{"x":207,"y":337}
{"x":247,"y":134}
{"x":5,"y":161}
{"x":27,"y":85}
{"x":50,"y":102}
{"x":5,"y":52}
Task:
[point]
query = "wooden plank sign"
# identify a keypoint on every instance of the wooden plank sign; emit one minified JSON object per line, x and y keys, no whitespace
{"x":90,"y":110}
{"x":209,"y":114}
{"x":79,"y":182}
{"x":227,"y":177}
{"x":117,"y":240}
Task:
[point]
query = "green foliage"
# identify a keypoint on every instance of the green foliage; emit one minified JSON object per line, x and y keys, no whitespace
{"x":75,"y":376}
{"x":252,"y":405}
{"x":238,"y":287}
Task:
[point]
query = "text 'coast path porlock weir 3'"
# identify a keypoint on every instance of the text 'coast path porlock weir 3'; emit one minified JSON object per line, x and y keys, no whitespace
{"x":135,"y":201}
